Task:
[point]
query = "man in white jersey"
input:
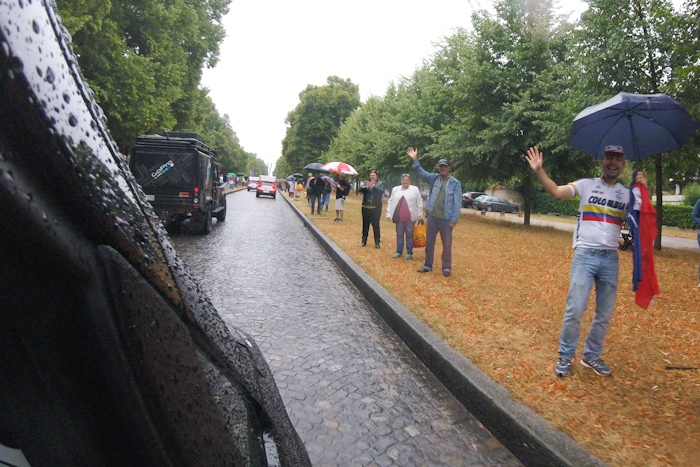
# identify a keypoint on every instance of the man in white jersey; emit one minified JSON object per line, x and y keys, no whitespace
{"x":596,"y":239}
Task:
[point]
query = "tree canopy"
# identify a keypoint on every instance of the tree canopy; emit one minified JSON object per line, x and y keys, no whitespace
{"x":144,"y":60}
{"x":314,"y":122}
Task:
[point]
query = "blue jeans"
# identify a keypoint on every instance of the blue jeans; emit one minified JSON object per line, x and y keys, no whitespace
{"x":588,"y":266}
{"x":324,"y":200}
{"x":433,"y":226}
{"x":404,"y":228}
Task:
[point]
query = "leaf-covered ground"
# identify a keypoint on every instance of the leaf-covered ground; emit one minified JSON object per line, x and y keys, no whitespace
{"x":503,"y":306}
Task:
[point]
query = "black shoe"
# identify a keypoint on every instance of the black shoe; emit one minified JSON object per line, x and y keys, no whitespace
{"x":446,"y":272}
{"x":376,"y":245}
{"x":364,"y":243}
{"x":425,"y":269}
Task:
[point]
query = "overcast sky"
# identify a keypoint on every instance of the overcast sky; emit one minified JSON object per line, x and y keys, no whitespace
{"x":274,"y":49}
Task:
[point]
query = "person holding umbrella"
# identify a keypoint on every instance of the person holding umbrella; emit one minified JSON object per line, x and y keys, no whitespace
{"x":596,"y":239}
{"x":315,"y":191}
{"x":341,"y":191}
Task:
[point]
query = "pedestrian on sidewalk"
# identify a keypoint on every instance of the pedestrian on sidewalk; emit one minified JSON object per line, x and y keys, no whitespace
{"x":443,"y":206}
{"x":315,"y":191}
{"x":341,"y":191}
{"x":404,"y":208}
{"x":372,"y":192}
{"x":696,"y":219}
{"x":596,"y":239}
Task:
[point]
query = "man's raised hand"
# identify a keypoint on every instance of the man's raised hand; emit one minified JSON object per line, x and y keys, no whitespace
{"x":413,"y":153}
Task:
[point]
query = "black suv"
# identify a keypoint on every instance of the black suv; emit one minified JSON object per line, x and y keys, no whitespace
{"x":180,"y":176}
{"x":469,"y":197}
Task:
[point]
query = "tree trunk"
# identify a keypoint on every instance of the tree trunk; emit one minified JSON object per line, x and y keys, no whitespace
{"x":527,"y":198}
{"x":659,"y":201}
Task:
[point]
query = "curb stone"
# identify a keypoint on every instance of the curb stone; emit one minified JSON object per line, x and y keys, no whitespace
{"x":525,"y":433}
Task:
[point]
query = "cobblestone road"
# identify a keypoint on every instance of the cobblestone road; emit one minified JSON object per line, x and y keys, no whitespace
{"x":354,"y":392}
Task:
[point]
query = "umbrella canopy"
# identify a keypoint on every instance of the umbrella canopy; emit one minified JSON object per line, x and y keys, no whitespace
{"x":340,"y":167}
{"x":316,"y":167}
{"x":329,"y":180}
{"x":297,"y":175}
{"x":643,"y":124}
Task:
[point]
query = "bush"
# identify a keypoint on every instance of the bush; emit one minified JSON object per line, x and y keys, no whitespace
{"x":542,"y":203}
{"x":678,"y":216}
{"x":692,"y":194}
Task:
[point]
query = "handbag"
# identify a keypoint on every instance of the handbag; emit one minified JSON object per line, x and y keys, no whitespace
{"x":419,"y":232}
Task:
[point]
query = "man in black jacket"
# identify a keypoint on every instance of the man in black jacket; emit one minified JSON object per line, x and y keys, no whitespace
{"x":372,"y":192}
{"x":316,"y":192}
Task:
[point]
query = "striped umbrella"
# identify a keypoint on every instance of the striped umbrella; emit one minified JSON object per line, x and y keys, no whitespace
{"x":340,"y":167}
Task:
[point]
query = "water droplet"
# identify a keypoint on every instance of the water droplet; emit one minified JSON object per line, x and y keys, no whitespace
{"x":50,"y":76}
{"x":35,"y":27}
{"x":66,"y":97}
{"x":72,"y":121}
{"x":39,"y":72}
{"x":6,"y":49}
{"x":30,"y":197}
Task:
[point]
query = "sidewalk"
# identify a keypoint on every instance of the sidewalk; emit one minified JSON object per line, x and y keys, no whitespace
{"x":666,"y":241}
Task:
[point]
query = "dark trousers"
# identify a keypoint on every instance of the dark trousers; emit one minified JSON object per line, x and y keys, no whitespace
{"x":371,"y":216}
{"x":314,"y":199}
{"x":433,"y":226}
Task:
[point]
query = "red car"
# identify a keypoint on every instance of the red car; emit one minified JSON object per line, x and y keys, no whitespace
{"x":267,"y":185}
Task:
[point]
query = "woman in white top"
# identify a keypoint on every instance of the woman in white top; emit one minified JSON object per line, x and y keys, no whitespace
{"x":405,"y":206}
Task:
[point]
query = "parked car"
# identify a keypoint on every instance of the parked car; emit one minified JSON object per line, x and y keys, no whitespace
{"x":469,"y":197}
{"x":494,"y":203}
{"x":266,"y":186}
{"x":253,"y":183}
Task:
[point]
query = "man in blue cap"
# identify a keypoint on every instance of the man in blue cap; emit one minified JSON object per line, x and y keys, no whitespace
{"x":596,"y":239}
{"x":443,"y":206}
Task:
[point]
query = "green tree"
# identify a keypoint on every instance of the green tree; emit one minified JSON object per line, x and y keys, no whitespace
{"x":316,"y":120}
{"x":504,"y":80}
{"x":143,"y":59}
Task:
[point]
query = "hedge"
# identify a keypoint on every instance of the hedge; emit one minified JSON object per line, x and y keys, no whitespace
{"x":673,"y":215}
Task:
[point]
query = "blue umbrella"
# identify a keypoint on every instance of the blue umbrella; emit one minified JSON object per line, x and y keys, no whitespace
{"x":643,"y":124}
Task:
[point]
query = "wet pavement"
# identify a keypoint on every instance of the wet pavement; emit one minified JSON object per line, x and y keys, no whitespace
{"x":355,"y":393}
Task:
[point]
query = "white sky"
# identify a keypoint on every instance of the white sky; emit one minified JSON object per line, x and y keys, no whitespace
{"x":274,"y":49}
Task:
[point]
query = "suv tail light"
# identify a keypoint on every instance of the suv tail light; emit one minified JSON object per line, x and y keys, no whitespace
{"x":196,"y":197}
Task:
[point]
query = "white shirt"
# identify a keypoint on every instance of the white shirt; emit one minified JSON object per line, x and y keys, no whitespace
{"x":601,"y":213}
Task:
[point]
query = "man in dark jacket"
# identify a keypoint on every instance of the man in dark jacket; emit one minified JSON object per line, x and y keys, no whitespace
{"x":316,"y":192}
{"x":372,"y":192}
